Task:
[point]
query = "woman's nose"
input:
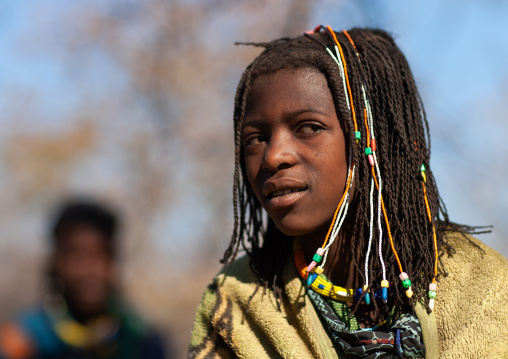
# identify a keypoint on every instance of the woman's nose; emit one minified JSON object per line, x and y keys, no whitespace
{"x":280,"y":153}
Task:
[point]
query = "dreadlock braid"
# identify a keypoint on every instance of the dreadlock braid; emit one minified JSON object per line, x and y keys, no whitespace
{"x":377,"y":69}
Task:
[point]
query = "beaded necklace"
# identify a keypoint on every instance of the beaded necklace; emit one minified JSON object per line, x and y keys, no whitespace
{"x":337,"y":296}
{"x":318,"y":282}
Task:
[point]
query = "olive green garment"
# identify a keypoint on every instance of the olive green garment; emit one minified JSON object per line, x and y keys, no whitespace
{"x":470,"y":320}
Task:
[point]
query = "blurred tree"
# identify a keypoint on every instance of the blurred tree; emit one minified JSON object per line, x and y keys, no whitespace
{"x":151,"y":131}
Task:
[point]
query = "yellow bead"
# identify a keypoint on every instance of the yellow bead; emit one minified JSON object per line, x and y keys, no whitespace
{"x":385,"y":284}
{"x":409,"y":292}
{"x":318,"y":270}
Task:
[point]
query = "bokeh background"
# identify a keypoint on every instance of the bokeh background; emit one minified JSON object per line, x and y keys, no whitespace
{"x":131,"y":102}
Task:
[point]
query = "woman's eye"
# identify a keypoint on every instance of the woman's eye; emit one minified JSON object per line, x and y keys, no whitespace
{"x":254,"y":140}
{"x":310,"y":129}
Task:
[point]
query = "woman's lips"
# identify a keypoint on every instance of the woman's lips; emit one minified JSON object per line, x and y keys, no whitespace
{"x":283,"y":192}
{"x":286,"y":197}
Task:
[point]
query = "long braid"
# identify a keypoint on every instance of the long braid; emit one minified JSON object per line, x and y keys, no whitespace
{"x":402,"y":136}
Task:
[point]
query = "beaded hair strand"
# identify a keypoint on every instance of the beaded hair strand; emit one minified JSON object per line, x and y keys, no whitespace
{"x":382,"y":91}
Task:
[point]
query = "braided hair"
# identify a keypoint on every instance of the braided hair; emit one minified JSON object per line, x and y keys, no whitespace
{"x":403,"y":145}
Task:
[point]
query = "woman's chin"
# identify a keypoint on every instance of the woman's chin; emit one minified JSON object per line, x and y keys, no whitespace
{"x":297,"y":228}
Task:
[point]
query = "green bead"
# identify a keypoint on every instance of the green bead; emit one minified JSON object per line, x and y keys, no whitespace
{"x":423,"y":168}
{"x":406,"y":283}
{"x":358,"y":135}
{"x":317,"y":258}
{"x":432,"y":294}
{"x":368,"y":151}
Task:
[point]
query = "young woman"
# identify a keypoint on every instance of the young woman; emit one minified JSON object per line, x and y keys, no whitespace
{"x":350,"y":252}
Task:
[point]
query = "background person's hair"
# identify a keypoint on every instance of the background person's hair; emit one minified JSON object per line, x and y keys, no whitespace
{"x":402,"y":147}
{"x":76,"y":213}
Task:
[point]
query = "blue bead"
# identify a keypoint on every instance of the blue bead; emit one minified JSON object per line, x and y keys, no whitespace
{"x":321,"y":286}
{"x":385,"y":293}
{"x":367,"y":298}
{"x":357,"y":294}
{"x":311,"y":278}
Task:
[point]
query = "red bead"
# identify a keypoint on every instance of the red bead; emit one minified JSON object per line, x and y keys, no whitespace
{"x":373,"y":144}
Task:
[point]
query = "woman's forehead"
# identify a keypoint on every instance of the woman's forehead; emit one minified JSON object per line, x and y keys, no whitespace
{"x":301,"y":87}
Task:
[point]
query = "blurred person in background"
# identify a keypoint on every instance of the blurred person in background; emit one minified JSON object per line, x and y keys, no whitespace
{"x":83,"y":315}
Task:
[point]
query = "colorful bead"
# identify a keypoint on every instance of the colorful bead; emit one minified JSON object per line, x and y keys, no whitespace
{"x":316,"y":29}
{"x":384,"y":288}
{"x":377,"y":294}
{"x":422,"y":168}
{"x":432,"y":294}
{"x":403,"y":276}
{"x":367,"y":298}
{"x":431,"y":304}
{"x":367,"y":295}
{"x":311,"y":266}
{"x":406,"y":283}
{"x":318,"y":270}
{"x":317,"y":257}
{"x":311,"y":278}
{"x":371,"y":160}
{"x":368,"y":151}
{"x":320,"y":251}
{"x":358,"y":135}
{"x":342,"y":294}
{"x":424,"y":177}
{"x":373,"y":144}
{"x":321,"y":286}
{"x":432,"y":286}
{"x":384,"y":294}
{"x":409,"y":293}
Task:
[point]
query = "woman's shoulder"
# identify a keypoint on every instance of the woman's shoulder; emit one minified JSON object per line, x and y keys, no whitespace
{"x":471,"y":289}
{"x":463,"y":252}
{"x":232,"y":281}
{"x":239,"y":270}
{"x":470,"y":267}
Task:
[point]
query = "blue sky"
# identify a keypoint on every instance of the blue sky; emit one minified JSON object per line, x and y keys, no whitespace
{"x":457,"y":51}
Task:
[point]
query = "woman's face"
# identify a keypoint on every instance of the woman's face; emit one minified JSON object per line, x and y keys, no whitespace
{"x":295,"y":150}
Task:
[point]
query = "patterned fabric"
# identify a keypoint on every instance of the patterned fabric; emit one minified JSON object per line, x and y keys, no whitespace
{"x":403,"y":340}
{"x":342,"y":311}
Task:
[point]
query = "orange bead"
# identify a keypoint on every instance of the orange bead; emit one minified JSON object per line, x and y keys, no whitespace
{"x":373,"y":144}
